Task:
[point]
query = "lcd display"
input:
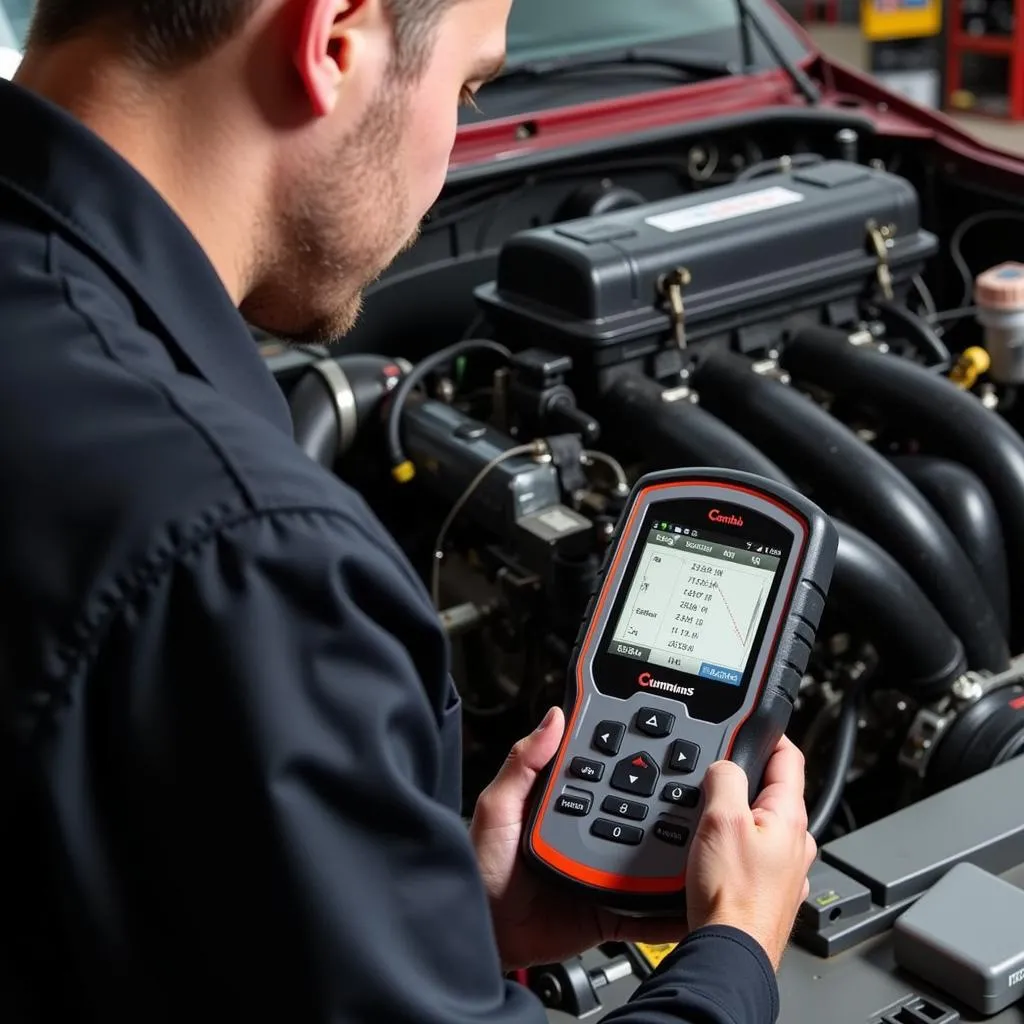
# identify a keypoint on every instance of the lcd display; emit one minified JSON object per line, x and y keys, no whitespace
{"x":694,"y":605}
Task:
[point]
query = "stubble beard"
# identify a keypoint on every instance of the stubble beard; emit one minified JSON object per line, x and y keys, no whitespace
{"x":338,"y":237}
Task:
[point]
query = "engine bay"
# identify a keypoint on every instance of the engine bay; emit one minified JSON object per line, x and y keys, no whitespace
{"x":797,"y":298}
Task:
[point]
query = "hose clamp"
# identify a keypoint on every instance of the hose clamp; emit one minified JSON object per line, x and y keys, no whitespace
{"x":933,"y":720}
{"x":344,"y":401}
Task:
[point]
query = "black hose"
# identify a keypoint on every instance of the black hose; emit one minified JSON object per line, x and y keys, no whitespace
{"x":965,"y":503}
{"x":947,"y":420}
{"x":401,"y":468}
{"x":875,"y":593}
{"x":334,"y":399}
{"x":877,"y":599}
{"x":843,"y":750}
{"x":806,"y":440}
{"x":903,"y":323}
{"x":634,"y":406}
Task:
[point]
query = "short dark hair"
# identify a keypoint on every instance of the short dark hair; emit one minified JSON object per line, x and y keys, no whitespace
{"x":168,"y":34}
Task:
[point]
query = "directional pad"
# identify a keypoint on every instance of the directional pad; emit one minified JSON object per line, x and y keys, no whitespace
{"x":636,"y":774}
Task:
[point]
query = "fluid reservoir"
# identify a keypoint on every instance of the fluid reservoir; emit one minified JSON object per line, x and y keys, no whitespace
{"x":999,"y":296}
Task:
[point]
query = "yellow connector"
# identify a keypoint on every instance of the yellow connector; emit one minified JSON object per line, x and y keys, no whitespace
{"x":972,"y":363}
{"x":404,"y":472}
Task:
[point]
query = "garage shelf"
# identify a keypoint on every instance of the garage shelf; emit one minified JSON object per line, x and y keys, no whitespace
{"x":1009,"y":47}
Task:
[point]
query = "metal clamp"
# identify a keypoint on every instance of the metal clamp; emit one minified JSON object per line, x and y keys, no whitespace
{"x":932,"y":721}
{"x":881,"y":239}
{"x":671,"y":286}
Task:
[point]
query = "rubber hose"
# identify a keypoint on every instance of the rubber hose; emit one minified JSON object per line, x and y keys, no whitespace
{"x":950,"y":421}
{"x":875,"y":592}
{"x":879,"y":600}
{"x":844,"y":748}
{"x":671,"y":431}
{"x":335,"y":398}
{"x":804,"y":438}
{"x":964,"y":502}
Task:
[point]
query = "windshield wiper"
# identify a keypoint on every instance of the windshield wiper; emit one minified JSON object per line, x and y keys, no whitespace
{"x":751,"y":19}
{"x":684,"y":64}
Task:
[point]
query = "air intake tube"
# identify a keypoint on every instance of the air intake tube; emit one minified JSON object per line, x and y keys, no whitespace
{"x":335,"y":398}
{"x":873,"y":591}
{"x":847,"y":473}
{"x":966,"y":505}
{"x":952,"y":422}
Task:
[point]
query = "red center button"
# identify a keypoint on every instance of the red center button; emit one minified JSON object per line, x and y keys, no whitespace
{"x":636,"y":774}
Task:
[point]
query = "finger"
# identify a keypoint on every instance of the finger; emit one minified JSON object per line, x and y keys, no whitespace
{"x":726,"y":794}
{"x":810,"y":850}
{"x":503,"y":800}
{"x":783,"y":790}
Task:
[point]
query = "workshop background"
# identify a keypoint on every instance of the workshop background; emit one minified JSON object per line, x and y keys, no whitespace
{"x":965,"y":57}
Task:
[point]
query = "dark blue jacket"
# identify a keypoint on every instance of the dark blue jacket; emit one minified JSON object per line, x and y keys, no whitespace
{"x":230,"y":747}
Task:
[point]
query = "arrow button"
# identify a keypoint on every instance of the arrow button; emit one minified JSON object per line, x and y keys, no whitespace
{"x":655,"y":723}
{"x":636,"y":774}
{"x":682,"y":757}
{"x":608,"y":737}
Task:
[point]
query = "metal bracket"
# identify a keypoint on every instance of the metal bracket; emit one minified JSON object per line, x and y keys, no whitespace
{"x":671,"y":287}
{"x":881,"y":236}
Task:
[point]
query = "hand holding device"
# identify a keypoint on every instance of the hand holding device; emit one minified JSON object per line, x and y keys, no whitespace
{"x":692,"y":652}
{"x":748,"y":866}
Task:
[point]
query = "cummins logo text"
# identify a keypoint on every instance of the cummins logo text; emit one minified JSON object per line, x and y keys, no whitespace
{"x":648,"y":681}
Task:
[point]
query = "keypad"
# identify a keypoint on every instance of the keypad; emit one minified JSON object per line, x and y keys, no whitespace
{"x":682,"y":796}
{"x":682,"y":757}
{"x":636,"y":774}
{"x":671,"y":833}
{"x":616,"y":832}
{"x":658,"y":724}
{"x":577,"y":805}
{"x":632,"y":809}
{"x":584,"y":768}
{"x":608,"y":737}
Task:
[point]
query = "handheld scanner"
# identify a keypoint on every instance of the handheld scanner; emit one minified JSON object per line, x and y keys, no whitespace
{"x":692,"y":651}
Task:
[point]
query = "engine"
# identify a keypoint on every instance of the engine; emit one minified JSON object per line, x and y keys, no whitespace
{"x":780,"y":324}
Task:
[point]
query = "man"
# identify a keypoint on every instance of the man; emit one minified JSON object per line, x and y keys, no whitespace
{"x":231,"y":746}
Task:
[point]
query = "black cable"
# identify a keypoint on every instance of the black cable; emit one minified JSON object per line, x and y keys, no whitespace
{"x":902,"y":321}
{"x":843,"y":751}
{"x":401,"y":468}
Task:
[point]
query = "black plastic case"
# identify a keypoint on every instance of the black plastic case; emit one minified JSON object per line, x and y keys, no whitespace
{"x":754,"y":251}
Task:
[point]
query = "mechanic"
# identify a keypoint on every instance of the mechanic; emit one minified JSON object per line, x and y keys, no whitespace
{"x":231,"y":746}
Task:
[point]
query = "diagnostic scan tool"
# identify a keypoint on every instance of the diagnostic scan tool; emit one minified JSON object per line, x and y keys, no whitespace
{"x":692,"y":651}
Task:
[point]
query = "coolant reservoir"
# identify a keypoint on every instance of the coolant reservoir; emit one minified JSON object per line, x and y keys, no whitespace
{"x":999,"y":296}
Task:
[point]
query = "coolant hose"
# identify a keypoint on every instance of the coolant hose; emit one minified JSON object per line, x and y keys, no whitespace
{"x":332,"y":401}
{"x":880,"y":601}
{"x":672,"y":431}
{"x":816,"y":447}
{"x":959,"y":496}
{"x":952,"y":422}
{"x":875,"y":592}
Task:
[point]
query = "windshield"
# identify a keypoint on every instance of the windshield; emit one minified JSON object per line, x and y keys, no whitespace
{"x":14,"y":17}
{"x":544,"y":29}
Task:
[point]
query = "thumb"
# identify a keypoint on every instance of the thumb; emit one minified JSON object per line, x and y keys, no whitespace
{"x":726,"y":796}
{"x":503,"y":801}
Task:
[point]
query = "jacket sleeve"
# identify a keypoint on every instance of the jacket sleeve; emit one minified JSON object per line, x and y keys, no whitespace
{"x":717,"y":976}
{"x":279,"y":744}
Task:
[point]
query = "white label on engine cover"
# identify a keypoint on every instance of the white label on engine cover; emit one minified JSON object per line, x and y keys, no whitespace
{"x":725,"y":209}
{"x":558,"y":521}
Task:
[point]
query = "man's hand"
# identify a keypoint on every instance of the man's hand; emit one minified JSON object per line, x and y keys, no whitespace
{"x":533,"y":923}
{"x":748,"y":868}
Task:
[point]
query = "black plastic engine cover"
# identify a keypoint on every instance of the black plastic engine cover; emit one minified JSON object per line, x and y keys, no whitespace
{"x":755,"y":252}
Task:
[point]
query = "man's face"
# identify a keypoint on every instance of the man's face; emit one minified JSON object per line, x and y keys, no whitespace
{"x":353,"y":196}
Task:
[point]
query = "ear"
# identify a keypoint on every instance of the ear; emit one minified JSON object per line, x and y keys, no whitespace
{"x":321,"y":53}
